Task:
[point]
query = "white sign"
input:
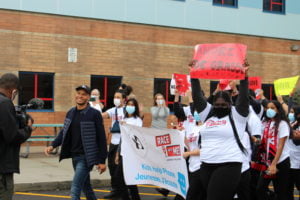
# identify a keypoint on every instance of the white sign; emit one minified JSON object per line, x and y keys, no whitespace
{"x":72,"y":55}
{"x":154,"y":156}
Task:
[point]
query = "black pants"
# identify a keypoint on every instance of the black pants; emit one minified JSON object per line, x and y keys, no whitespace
{"x":243,"y":190}
{"x":112,"y":165}
{"x":220,"y":180}
{"x":6,"y":186}
{"x":121,"y":186}
{"x":255,"y":174}
{"x":294,"y":181}
{"x":280,"y":182}
{"x":196,"y":190}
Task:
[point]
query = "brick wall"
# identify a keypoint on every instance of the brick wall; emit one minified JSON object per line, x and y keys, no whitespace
{"x":139,"y":53}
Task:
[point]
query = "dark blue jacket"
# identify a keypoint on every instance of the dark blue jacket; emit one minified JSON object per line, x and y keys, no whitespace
{"x":92,"y":135}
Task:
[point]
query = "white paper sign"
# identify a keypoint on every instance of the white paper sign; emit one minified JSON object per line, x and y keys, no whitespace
{"x":154,"y":156}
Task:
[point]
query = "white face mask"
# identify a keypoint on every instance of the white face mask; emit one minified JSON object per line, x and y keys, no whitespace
{"x":160,"y":101}
{"x":94,"y":97}
{"x":117,"y":102}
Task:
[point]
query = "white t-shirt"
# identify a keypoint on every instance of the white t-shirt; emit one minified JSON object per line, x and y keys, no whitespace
{"x":294,"y":154}
{"x":134,"y":121}
{"x":283,"y":131}
{"x":96,"y":106}
{"x":254,"y":127}
{"x":218,"y":144}
{"x":190,"y":121}
{"x":193,"y":138}
{"x":115,"y":138}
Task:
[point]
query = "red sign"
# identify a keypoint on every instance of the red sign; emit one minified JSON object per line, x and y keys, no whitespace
{"x":163,"y":140}
{"x":254,"y":83}
{"x":219,"y":61}
{"x":224,"y":84}
{"x":182,"y":82}
{"x":173,"y":150}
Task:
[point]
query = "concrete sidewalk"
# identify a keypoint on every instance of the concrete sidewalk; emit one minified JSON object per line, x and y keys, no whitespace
{"x":39,"y":172}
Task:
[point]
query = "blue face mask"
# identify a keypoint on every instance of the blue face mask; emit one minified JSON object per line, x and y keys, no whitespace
{"x":197,"y":116}
{"x":271,"y":113}
{"x":291,"y":117}
{"x":130,"y":109}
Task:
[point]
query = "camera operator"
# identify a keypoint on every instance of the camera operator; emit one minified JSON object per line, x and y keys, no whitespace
{"x":11,"y":136}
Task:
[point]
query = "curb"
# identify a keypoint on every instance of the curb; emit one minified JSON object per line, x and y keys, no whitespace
{"x":58,"y":185}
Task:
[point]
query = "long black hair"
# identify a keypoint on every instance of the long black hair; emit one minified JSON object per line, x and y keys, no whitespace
{"x":296,"y":113}
{"x":137,"y":109}
{"x":280,"y":116}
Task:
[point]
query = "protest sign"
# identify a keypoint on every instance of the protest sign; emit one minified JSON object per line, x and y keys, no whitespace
{"x":218,"y":61}
{"x":154,"y":156}
{"x":254,"y":83}
{"x":181,"y":83}
{"x":285,"y":86}
{"x":224,"y":84}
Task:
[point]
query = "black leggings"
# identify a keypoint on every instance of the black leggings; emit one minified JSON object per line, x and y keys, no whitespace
{"x":196,"y":190}
{"x":112,"y":165}
{"x":220,"y":180}
{"x":243,"y":190}
{"x":280,"y":182}
{"x":294,"y":181}
{"x":121,"y":186}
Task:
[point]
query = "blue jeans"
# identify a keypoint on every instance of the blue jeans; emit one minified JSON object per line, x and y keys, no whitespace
{"x":81,"y":179}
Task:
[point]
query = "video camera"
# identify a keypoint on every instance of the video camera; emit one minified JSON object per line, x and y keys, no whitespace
{"x":21,"y":111}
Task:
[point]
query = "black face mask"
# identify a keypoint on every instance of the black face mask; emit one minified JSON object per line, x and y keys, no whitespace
{"x":221,"y":112}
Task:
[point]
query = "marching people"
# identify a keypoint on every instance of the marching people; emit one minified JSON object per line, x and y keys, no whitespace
{"x":95,"y":100}
{"x":294,"y":145}
{"x":117,"y":115}
{"x":12,"y":135}
{"x":159,"y":112}
{"x":82,"y":139}
{"x":221,"y":147}
{"x":132,"y":117}
{"x":273,"y":153}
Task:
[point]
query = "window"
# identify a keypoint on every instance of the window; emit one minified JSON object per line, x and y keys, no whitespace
{"x":107,"y":85}
{"x":37,"y":85}
{"x":231,"y":3}
{"x":162,"y":86}
{"x":274,"y":6}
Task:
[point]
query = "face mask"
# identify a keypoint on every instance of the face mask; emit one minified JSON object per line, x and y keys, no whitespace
{"x":221,"y":112}
{"x":160,"y":101}
{"x":130,"y":109}
{"x":117,"y":102}
{"x":270,"y":113}
{"x":94,"y":97}
{"x":197,"y":116}
{"x":291,"y":117}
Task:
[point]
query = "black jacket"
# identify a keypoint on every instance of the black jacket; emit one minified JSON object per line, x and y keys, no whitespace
{"x":92,"y":135}
{"x":11,"y":137}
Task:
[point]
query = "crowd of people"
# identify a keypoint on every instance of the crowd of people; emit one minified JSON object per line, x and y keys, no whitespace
{"x":236,"y":144}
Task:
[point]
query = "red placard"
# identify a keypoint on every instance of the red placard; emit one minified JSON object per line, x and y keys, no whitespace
{"x":254,"y":83}
{"x":219,"y":61}
{"x":224,"y":84}
{"x":173,"y":150}
{"x":182,"y":82}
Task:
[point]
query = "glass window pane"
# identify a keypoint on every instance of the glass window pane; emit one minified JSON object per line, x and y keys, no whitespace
{"x":27,"y":88}
{"x":45,"y":85}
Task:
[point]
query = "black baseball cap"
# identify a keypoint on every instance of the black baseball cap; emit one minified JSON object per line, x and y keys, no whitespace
{"x":85,"y":88}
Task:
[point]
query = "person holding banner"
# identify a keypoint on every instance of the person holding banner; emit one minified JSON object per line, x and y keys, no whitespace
{"x":132,"y":117}
{"x":273,"y":153}
{"x":116,"y":114}
{"x":159,"y":112}
{"x":221,"y":147}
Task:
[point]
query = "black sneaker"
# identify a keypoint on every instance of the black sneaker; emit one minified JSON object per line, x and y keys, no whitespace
{"x":111,"y":195}
{"x":163,"y":191}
